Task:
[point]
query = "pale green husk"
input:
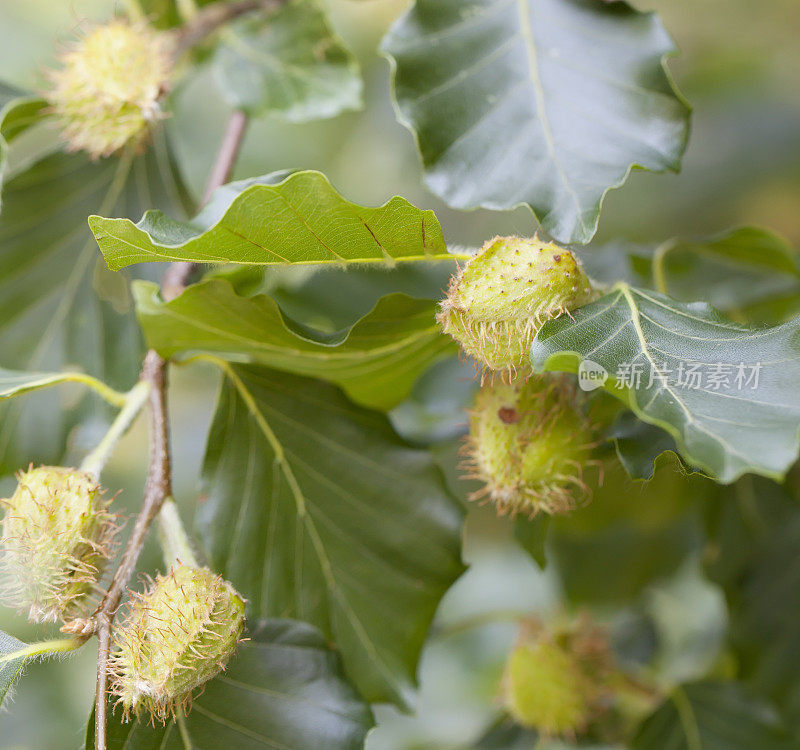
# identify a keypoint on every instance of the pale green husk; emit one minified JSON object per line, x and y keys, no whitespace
{"x":175,"y":637}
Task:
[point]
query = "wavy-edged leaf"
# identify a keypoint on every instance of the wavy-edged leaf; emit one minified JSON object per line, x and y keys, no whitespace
{"x":274,"y":220}
{"x":9,"y":670}
{"x":541,"y":102}
{"x":726,"y":393}
{"x":289,"y":63}
{"x":60,"y":308}
{"x":375,"y":361}
{"x":713,"y":716}
{"x":284,"y":689}
{"x":317,"y":510}
{"x":639,"y":444}
{"x":749,"y":272}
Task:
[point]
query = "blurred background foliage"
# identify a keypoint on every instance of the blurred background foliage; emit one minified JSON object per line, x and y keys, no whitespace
{"x":653,"y":561}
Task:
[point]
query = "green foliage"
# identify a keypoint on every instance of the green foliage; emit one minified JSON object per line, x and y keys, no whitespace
{"x":713,"y":716}
{"x":288,"y":63}
{"x":543,"y":102}
{"x":331,"y":489}
{"x":376,"y":360}
{"x":317,"y":510}
{"x":59,"y":306}
{"x":10,"y":669}
{"x":727,"y":429}
{"x":276,"y":220}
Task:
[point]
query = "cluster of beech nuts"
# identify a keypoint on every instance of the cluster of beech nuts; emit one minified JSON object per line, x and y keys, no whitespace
{"x":57,"y":535}
{"x":529,"y":435}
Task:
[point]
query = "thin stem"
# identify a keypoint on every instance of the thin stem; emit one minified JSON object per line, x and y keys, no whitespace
{"x":178,"y":274}
{"x":95,"y":462}
{"x":44,"y":648}
{"x":208,"y":19}
{"x":115,"y":398}
{"x":175,"y":542}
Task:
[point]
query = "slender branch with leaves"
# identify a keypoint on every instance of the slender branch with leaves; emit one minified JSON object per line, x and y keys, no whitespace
{"x":618,"y":423}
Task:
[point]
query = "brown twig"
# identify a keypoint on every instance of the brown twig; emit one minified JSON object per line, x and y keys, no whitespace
{"x":178,"y":274}
{"x":159,"y":475}
{"x":211,"y":17}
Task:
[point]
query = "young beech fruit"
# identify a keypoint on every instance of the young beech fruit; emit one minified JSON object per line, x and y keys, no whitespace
{"x":499,"y":300}
{"x":528,"y":443}
{"x":558,"y":680}
{"x":56,"y":537}
{"x":105,"y":94}
{"x":175,"y":637}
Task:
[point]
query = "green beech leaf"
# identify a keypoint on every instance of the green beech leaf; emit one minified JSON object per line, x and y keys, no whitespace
{"x":316,"y":509}
{"x":60,"y":308}
{"x":749,"y":273}
{"x":726,"y":393}
{"x":754,"y":532}
{"x":541,"y":102}
{"x":713,"y":716}
{"x":18,"y":111}
{"x":289,"y":63}
{"x":639,"y":445}
{"x":284,"y":689}
{"x":9,"y":670}
{"x":376,"y":361}
{"x":274,"y":220}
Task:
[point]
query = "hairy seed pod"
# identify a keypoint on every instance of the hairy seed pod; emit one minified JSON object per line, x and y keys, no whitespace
{"x":528,"y":443}
{"x":499,"y":300}
{"x":106,"y":92}
{"x":558,"y":680}
{"x":57,"y":535}
{"x":175,"y":637}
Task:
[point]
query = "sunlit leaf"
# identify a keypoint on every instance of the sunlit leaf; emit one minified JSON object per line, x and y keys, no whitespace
{"x":376,"y":360}
{"x":275,"y":220}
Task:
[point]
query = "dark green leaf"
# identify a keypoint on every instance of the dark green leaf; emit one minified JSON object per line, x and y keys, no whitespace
{"x":284,"y":689}
{"x":60,"y":307}
{"x":726,"y":393}
{"x":754,"y":530}
{"x":315,"y":509}
{"x":9,"y":670}
{"x":301,"y":219}
{"x":749,"y":273}
{"x":376,"y":361}
{"x":531,"y":533}
{"x":288,"y":63}
{"x":639,"y":444}
{"x":713,"y":716}
{"x":544,"y":102}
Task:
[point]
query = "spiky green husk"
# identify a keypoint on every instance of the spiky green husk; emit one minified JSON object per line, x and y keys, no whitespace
{"x":57,"y":534}
{"x":105,"y":95}
{"x":175,"y":637}
{"x":500,"y":299}
{"x":558,"y":680}
{"x":528,"y":443}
